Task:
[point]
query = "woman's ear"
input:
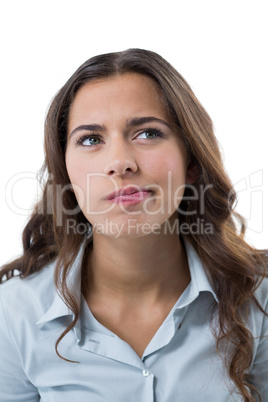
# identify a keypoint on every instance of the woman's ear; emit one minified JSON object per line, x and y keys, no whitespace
{"x":193,"y":173}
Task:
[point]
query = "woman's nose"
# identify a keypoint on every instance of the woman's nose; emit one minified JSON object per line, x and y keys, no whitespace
{"x":119,"y":160}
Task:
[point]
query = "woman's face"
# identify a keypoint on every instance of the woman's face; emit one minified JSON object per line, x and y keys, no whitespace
{"x":126,"y":163}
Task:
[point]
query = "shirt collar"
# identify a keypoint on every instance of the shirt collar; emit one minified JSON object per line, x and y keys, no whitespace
{"x":200,"y":278}
{"x":58,"y":307}
{"x":200,"y":282}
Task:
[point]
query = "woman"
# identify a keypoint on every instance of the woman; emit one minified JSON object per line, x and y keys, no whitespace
{"x":134,"y":284}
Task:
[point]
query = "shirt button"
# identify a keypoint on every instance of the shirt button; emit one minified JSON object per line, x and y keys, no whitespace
{"x":145,"y":373}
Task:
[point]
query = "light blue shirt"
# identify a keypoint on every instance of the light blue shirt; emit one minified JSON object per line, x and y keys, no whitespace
{"x":179,"y":364}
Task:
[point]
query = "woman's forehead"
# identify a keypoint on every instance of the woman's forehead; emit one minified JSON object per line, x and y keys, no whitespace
{"x":128,"y":92}
{"x":130,"y":81}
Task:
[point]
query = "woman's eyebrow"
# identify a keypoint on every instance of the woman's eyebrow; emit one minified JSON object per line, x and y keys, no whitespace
{"x":88,"y":127}
{"x":136,"y":121}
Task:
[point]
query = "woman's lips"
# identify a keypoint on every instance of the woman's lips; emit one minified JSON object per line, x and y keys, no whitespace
{"x":129,"y":195}
{"x":131,"y":198}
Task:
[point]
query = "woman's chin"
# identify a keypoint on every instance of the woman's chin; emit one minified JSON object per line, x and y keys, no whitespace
{"x":131,"y":228}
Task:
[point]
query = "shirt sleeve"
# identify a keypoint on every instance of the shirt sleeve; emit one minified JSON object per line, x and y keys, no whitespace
{"x":14,"y":385}
{"x":259,"y":372}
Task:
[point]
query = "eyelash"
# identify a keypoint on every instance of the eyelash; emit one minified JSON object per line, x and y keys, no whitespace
{"x":149,"y":130}
{"x":85,"y":137}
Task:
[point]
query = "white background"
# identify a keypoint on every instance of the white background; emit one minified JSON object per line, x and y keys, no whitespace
{"x":220,"y":47}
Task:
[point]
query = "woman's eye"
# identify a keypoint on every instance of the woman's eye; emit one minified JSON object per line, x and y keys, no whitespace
{"x":88,"y":141}
{"x":150,"y":134}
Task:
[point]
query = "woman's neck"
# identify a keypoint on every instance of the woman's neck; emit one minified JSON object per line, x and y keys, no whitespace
{"x":151,"y":268}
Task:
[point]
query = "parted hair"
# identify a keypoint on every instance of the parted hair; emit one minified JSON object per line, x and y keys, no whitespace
{"x":235,"y":267}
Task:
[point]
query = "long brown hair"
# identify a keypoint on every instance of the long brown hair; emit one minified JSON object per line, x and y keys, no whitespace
{"x":235,"y":267}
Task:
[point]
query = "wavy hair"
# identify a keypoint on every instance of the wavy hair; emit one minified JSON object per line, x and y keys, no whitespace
{"x":235,"y":267}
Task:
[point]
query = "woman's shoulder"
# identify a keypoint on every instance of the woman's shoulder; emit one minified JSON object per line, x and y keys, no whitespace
{"x":257,"y":320}
{"x":261,"y":293}
{"x":37,"y":290}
